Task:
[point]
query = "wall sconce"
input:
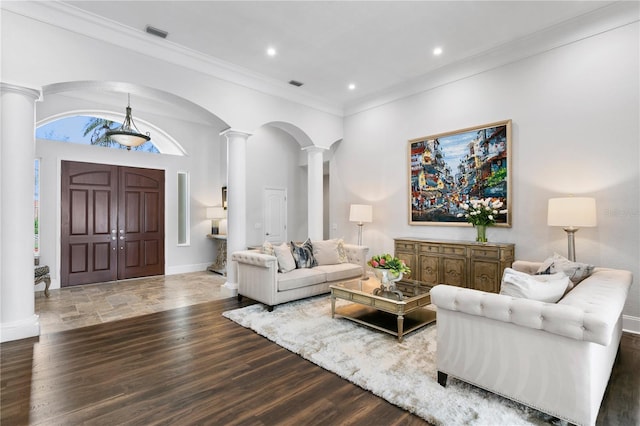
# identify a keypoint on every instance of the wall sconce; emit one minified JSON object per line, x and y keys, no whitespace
{"x":362,"y":214}
{"x":216,"y":214}
{"x":571,"y":213}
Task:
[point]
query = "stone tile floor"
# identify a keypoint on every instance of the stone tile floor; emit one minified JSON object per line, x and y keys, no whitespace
{"x":83,"y":305}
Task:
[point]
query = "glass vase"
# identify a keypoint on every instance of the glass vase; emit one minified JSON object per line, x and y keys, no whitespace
{"x":481,"y":233}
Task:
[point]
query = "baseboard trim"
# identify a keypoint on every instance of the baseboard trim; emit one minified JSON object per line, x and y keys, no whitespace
{"x":185,"y":269}
{"x":631,"y":324}
{"x":22,"y":329}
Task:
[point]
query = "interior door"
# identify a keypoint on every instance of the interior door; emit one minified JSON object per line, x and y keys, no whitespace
{"x":141,"y":220}
{"x":112,"y":223}
{"x":275,"y":215}
{"x":89,"y":223}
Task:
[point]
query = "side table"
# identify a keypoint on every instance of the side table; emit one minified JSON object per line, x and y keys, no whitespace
{"x":220,"y":264}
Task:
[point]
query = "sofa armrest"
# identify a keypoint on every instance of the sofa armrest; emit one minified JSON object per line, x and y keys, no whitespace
{"x":564,"y":320}
{"x":255,"y":258}
{"x":357,"y":254}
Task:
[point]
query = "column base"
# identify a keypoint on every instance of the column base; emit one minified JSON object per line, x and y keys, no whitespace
{"x":23,"y":329}
{"x":230,"y":289}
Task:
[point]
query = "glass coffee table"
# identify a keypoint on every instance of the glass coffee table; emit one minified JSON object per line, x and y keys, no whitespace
{"x":383,"y":312}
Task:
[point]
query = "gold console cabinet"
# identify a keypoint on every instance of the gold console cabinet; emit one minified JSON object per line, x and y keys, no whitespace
{"x":461,"y":263}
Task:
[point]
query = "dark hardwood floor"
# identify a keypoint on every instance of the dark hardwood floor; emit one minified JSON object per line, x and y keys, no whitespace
{"x":192,"y":366}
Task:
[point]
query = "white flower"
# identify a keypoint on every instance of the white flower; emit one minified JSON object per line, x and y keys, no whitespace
{"x":490,"y":217}
{"x":487,"y":209}
{"x":505,"y":211}
{"x":495,"y":212}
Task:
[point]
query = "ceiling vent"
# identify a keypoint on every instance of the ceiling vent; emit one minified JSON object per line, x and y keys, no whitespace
{"x":296,"y":83}
{"x":156,"y":32}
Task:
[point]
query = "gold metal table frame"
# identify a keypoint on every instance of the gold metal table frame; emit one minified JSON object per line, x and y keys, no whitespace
{"x":397,"y":317}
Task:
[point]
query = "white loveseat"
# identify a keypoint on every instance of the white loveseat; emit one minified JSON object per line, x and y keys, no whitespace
{"x":556,"y":358}
{"x":259,"y":279}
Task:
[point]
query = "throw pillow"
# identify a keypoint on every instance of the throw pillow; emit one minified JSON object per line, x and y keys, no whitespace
{"x":286,"y":262}
{"x":303,"y":254}
{"x":545,"y":288}
{"x":576,"y":271}
{"x":326,"y":252}
{"x":267,"y":248}
{"x":342,"y":254}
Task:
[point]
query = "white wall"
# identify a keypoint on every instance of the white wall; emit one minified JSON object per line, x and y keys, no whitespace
{"x":575,"y":113}
{"x":272,"y":162}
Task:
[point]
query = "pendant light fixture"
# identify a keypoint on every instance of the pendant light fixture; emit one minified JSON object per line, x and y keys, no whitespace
{"x":128,"y":134}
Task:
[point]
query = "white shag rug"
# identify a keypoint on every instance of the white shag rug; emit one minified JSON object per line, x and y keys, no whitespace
{"x":402,"y":373}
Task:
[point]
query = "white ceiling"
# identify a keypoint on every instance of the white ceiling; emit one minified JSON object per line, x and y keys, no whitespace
{"x":327,"y":45}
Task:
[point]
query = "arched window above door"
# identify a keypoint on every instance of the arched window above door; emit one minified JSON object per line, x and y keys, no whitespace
{"x":86,"y":130}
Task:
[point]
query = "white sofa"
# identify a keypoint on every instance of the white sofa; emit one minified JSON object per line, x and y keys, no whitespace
{"x":259,"y":279}
{"x":556,"y":358}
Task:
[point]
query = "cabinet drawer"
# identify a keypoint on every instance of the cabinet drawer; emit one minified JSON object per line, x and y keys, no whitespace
{"x":405,"y":246}
{"x":488,"y":252}
{"x":429,"y":248}
{"x":456,"y":250}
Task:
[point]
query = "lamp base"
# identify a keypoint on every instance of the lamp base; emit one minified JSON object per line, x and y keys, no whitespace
{"x":571,"y":243}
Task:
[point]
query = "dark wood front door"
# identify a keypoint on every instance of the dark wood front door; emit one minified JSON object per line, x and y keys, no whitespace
{"x":141,"y":220}
{"x":112,"y":223}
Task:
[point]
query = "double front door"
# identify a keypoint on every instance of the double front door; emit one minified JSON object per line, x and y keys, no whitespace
{"x":112,"y":223}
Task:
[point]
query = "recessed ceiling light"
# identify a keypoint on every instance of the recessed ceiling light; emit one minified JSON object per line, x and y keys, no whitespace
{"x":351,"y":86}
{"x":437,"y":51}
{"x":271,"y":51}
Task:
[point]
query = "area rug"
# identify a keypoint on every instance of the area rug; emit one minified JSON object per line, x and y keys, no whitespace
{"x":402,"y":373}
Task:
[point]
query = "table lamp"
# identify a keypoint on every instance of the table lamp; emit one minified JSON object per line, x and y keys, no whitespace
{"x":362,"y":214}
{"x":215,"y":214}
{"x":571,"y":213}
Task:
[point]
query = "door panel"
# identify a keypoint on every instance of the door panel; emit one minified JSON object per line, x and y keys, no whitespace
{"x":112,"y":223}
{"x":141,"y":215}
{"x":275,"y":215}
{"x":88,"y":216}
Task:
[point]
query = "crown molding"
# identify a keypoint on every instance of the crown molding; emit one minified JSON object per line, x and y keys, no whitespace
{"x":78,"y":21}
{"x":599,"y":21}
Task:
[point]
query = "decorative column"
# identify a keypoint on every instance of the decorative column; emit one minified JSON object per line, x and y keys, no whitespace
{"x":315,"y":193}
{"x":236,"y":201}
{"x":17,"y":153}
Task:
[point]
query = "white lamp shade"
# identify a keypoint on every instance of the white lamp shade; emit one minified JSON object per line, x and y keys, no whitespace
{"x":215,"y":212}
{"x":361,"y":213}
{"x":222,"y":227}
{"x":572,"y":212}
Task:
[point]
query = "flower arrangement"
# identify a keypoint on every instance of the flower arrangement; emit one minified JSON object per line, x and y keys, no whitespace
{"x":386,"y":261}
{"x":482,"y":212}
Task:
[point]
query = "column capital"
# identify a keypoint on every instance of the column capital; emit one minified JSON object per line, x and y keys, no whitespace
{"x":26,"y":91}
{"x":231,"y":133}
{"x":314,"y":149}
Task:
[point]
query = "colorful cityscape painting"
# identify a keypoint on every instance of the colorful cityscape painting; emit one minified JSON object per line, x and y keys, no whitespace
{"x":453,"y":168}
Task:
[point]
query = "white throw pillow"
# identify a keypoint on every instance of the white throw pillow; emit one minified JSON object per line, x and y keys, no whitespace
{"x":545,"y":288}
{"x":286,"y":262}
{"x":326,"y":252}
{"x":267,"y":248}
{"x":576,"y":271}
